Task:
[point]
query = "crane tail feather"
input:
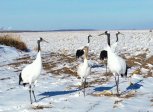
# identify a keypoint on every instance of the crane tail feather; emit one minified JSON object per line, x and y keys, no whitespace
{"x":20,"y":79}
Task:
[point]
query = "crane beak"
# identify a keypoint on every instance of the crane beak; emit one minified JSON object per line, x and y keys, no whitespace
{"x":45,"y":41}
{"x":121,"y":33}
{"x":89,"y":35}
{"x":101,"y":34}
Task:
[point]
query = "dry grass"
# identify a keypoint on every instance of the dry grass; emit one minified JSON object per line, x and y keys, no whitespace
{"x":143,"y":62}
{"x":5,"y":78}
{"x":136,"y":60}
{"x":148,"y":61}
{"x":64,"y":70}
{"x":151,"y":100}
{"x":103,"y":93}
{"x":117,"y":101}
{"x":108,"y":93}
{"x":149,"y":74}
{"x":60,"y":59}
{"x":129,"y":95}
{"x":13,"y":41}
{"x":20,"y":61}
{"x":39,"y":107}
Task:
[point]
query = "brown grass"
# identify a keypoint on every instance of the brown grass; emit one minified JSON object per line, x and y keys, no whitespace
{"x":141,"y":61}
{"x":103,"y":93}
{"x":60,"y":59}
{"x":129,"y":95}
{"x":117,"y":101}
{"x":151,"y":100}
{"x":64,"y":70}
{"x":148,"y":61}
{"x":150,"y":74}
{"x":13,"y":41}
{"x":133,"y":61}
{"x":49,"y":66}
{"x":5,"y":78}
{"x":39,"y":107}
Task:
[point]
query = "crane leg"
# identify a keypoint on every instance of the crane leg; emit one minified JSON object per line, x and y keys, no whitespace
{"x":30,"y":93}
{"x":115,"y":80}
{"x":34,"y":92}
{"x":106,"y":72}
{"x":34,"y":95}
{"x":117,"y":84}
{"x":84,"y":92}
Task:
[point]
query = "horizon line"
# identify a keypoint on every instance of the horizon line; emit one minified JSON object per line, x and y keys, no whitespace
{"x":62,"y":30}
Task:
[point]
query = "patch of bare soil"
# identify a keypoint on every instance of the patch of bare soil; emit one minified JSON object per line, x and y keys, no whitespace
{"x":103,"y":93}
{"x":143,"y":63}
{"x":58,"y":63}
{"x":136,"y":60}
{"x":40,"y":106}
{"x":67,"y":64}
{"x":151,"y":102}
{"x":5,"y":78}
{"x":116,"y":103}
{"x":128,"y":95}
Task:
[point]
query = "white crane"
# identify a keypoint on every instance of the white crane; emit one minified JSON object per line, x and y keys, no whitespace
{"x":84,"y":69}
{"x":116,"y":64}
{"x":31,"y":72}
{"x":103,"y":54}
{"x":80,"y":51}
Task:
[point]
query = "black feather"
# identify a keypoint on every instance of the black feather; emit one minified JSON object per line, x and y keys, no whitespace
{"x":125,"y":75}
{"x":20,"y":79}
{"x":103,"y":55}
{"x":79,"y":53}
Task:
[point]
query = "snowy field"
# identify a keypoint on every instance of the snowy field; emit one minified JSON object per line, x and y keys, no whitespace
{"x":58,"y":90}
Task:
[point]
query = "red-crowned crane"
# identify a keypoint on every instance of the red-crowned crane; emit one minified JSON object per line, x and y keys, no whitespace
{"x":31,"y":72}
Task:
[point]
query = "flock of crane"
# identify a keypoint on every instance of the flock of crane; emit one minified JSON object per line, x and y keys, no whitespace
{"x":116,"y":64}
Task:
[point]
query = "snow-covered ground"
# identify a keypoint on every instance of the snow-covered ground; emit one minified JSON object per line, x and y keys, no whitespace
{"x":58,"y":90}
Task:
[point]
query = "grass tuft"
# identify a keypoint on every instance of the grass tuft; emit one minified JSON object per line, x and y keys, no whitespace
{"x":13,"y":41}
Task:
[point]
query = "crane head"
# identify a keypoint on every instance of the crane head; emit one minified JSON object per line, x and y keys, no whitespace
{"x":89,"y":36}
{"x":85,"y":48}
{"x":105,"y":33}
{"x":42,"y":40}
{"x":119,"y":33}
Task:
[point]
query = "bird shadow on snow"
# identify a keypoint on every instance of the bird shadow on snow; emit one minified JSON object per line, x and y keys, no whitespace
{"x":135,"y":86}
{"x":55,"y":93}
{"x":96,"y":65}
{"x":100,"y":89}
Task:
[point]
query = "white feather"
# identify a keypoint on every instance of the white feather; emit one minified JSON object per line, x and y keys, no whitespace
{"x":116,"y":64}
{"x":113,"y":47}
{"x":31,"y":72}
{"x":84,"y":70}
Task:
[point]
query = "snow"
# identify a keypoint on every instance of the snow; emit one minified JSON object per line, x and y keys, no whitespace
{"x":61,"y":93}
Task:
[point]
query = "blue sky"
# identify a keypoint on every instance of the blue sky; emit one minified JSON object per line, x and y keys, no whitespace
{"x":76,"y":14}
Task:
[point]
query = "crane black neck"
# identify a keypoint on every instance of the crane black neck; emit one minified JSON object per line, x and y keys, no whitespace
{"x":117,"y":37}
{"x":38,"y":45}
{"x":88,"y":39}
{"x":108,"y":38}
